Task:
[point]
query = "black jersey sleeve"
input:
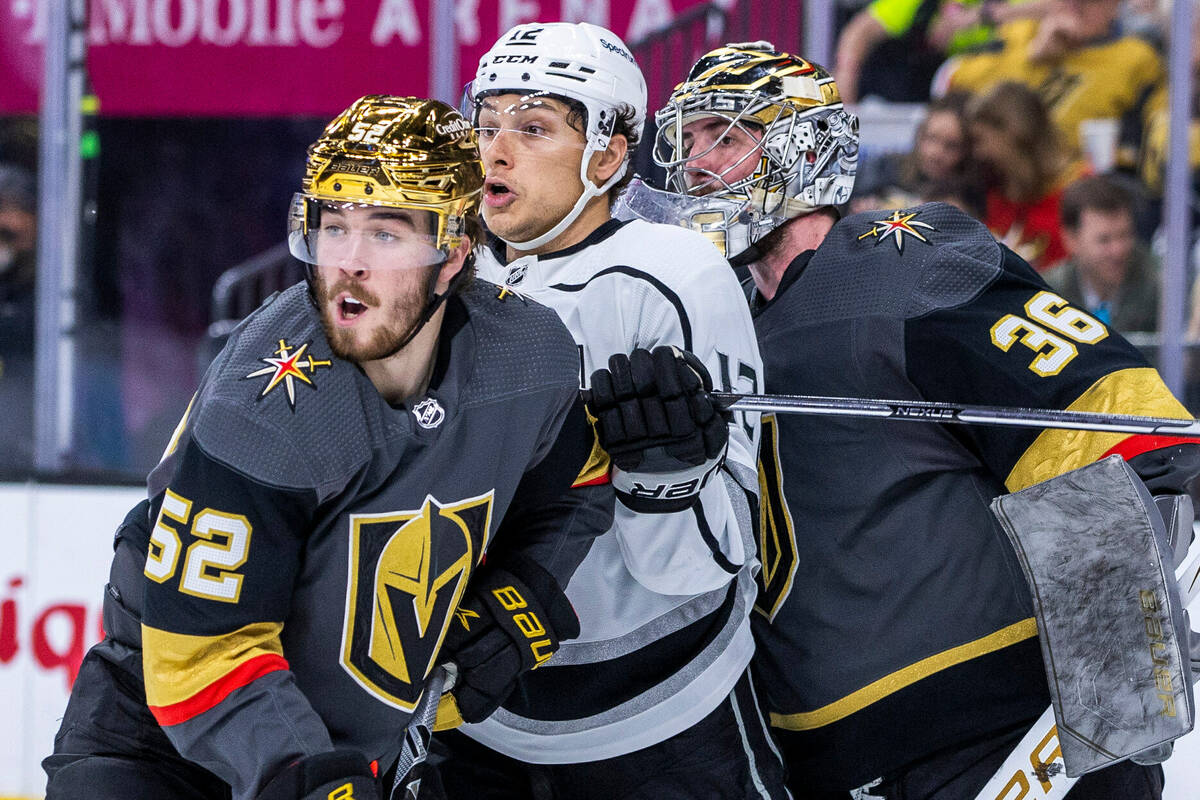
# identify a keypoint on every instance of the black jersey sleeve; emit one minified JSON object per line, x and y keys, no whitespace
{"x":562,"y":503}
{"x":1018,"y":343}
{"x":223,"y":557}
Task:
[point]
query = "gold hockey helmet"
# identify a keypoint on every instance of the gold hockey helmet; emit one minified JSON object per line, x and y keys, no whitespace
{"x":400,"y":152}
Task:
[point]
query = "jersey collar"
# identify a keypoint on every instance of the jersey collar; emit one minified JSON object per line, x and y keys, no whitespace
{"x":790,"y":275}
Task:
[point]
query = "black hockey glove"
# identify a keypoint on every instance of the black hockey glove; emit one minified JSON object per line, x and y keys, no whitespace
{"x":337,"y":774}
{"x":658,"y":423}
{"x":510,"y":620}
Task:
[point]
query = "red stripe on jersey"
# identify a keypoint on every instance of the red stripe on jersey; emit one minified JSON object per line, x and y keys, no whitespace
{"x":245,"y":673}
{"x":600,"y":481}
{"x":1143,"y":443}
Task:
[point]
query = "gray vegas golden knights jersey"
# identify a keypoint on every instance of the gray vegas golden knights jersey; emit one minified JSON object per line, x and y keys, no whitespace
{"x":312,"y":540}
{"x":663,"y":599}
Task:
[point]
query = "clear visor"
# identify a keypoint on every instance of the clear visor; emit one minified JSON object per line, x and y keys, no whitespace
{"x":642,"y":201}
{"x":535,"y":124}
{"x":361,"y":236}
{"x":708,"y":152}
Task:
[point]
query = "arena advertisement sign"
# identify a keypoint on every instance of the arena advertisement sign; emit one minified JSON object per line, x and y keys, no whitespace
{"x":277,"y":57}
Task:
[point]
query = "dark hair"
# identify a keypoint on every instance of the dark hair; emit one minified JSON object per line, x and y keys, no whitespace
{"x":476,"y":235}
{"x":1097,"y":193}
{"x":623,"y":126}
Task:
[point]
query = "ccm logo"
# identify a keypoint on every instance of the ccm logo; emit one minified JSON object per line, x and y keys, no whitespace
{"x":527,"y":622}
{"x":521,"y":59}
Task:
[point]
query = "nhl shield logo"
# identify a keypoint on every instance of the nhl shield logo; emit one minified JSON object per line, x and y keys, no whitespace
{"x":429,"y":413}
{"x":516,"y":274}
{"x":407,"y":574}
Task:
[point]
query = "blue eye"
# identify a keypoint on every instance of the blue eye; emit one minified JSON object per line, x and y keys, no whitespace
{"x":385,"y":236}
{"x":333,"y":230}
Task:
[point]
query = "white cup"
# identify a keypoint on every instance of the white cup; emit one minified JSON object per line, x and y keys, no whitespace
{"x":1098,"y":137}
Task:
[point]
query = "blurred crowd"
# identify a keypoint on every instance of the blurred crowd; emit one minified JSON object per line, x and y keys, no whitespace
{"x":1047,"y":119}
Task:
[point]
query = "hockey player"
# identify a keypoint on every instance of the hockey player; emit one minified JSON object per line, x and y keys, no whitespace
{"x":655,"y":701}
{"x":350,"y":455}
{"x":897,"y":650}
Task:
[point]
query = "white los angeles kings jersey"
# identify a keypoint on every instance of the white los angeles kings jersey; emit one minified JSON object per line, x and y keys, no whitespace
{"x":663,"y":599}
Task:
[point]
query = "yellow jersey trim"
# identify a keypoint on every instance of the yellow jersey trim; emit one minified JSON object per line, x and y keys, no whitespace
{"x":900,"y":679}
{"x":1137,"y":390}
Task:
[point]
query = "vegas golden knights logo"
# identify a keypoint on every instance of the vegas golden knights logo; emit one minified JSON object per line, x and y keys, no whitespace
{"x":408,"y":570}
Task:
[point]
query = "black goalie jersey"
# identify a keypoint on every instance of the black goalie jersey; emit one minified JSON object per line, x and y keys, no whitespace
{"x":311,"y":542}
{"x":893,"y":618}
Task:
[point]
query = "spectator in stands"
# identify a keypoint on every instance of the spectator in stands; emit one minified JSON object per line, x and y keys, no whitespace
{"x":1107,"y":271}
{"x":892,"y":48}
{"x":1076,"y":60}
{"x":18,"y":240}
{"x":1152,"y":146}
{"x":1025,"y":167}
{"x":938,"y":163}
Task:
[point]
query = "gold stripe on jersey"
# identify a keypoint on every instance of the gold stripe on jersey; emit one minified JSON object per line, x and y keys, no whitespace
{"x":595,"y":469}
{"x":903,"y":678}
{"x":178,"y":665}
{"x":1138,"y":390}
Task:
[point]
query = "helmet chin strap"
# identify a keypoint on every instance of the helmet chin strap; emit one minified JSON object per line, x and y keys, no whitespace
{"x":590,"y":190}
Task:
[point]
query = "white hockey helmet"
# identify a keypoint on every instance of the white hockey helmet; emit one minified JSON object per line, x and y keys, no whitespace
{"x":576,"y":61}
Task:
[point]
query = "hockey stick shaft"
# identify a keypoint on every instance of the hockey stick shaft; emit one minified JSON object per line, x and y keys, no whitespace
{"x":929,"y":411}
{"x":1028,"y":770}
{"x":415,"y":746}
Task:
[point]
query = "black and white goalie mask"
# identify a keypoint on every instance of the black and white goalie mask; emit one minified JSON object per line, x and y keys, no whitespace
{"x":757,"y":136}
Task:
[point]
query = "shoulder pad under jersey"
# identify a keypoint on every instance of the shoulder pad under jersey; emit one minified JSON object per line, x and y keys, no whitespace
{"x":277,"y":406}
{"x":904,"y":262}
{"x":522,"y":346}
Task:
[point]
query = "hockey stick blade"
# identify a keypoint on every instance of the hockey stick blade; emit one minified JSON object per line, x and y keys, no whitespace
{"x":930,"y":411}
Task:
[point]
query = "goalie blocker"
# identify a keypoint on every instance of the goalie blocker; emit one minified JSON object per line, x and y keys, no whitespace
{"x":1100,"y":563}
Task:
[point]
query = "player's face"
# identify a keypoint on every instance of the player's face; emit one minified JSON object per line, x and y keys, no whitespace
{"x":373,"y":268}
{"x":1103,"y":244}
{"x":531,"y":157}
{"x":941,"y":145}
{"x":718,"y":153}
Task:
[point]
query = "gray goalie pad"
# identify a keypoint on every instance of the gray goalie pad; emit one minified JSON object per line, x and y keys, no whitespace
{"x":1111,"y":626}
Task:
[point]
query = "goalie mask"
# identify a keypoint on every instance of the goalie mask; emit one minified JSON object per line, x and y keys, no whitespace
{"x":391,"y":184}
{"x":758,"y":137}
{"x":577,"y":62}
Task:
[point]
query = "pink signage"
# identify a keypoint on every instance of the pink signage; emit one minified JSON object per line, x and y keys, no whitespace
{"x":277,"y":57}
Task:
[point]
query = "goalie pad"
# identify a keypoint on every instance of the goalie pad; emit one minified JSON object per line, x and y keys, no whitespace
{"x":1111,"y":626}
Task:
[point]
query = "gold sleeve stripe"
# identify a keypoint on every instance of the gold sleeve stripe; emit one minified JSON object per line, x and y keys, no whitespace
{"x":890,"y":684}
{"x":184,"y":671}
{"x":1138,"y":390}
{"x":595,"y":470}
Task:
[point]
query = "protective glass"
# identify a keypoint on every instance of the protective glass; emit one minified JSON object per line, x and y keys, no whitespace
{"x":357,"y":236}
{"x":534,"y":124}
